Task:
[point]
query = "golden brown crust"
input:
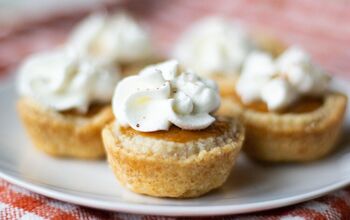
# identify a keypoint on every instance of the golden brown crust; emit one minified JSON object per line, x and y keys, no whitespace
{"x":64,"y":135}
{"x":162,"y":176}
{"x":290,"y":137}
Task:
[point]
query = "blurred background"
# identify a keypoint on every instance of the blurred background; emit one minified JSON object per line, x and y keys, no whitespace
{"x":322,"y":27}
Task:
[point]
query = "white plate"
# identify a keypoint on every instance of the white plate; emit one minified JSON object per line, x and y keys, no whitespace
{"x":251,"y":187}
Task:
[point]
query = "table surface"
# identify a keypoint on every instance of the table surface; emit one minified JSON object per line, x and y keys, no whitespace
{"x":322,"y":27}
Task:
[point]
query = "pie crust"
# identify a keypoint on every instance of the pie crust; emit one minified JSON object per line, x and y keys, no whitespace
{"x":290,"y":137}
{"x":161,"y":167}
{"x":65,"y":134}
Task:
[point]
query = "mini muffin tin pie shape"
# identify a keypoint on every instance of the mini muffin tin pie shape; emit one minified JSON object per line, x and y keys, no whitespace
{"x":290,"y":136}
{"x":65,"y":134}
{"x":176,"y":163}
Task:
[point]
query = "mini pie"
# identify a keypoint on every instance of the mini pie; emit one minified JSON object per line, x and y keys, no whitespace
{"x":165,"y":141}
{"x":289,"y":113}
{"x":176,"y":163}
{"x":66,"y":92}
{"x":65,"y":102}
{"x":307,"y":131}
{"x":65,"y":134}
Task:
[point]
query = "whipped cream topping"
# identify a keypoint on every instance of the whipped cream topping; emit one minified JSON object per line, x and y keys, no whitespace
{"x":213,"y":46}
{"x":61,"y":80}
{"x":116,"y":38}
{"x":162,"y":95}
{"x":282,"y":81}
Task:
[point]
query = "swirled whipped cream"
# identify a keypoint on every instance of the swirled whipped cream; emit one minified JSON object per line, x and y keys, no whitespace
{"x":161,"y":95}
{"x":61,"y":80}
{"x":282,"y":81}
{"x":213,"y":46}
{"x":116,"y":38}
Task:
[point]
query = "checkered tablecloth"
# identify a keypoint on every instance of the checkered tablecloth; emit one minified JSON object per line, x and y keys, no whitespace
{"x":322,"y":27}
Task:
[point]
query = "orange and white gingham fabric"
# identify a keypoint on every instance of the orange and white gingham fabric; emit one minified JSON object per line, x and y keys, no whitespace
{"x":322,"y":27}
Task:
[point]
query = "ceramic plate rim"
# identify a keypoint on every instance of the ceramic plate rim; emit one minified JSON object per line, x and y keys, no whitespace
{"x":172,"y":210}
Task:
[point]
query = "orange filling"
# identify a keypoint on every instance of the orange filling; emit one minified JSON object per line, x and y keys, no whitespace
{"x":304,"y":105}
{"x":176,"y":134}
